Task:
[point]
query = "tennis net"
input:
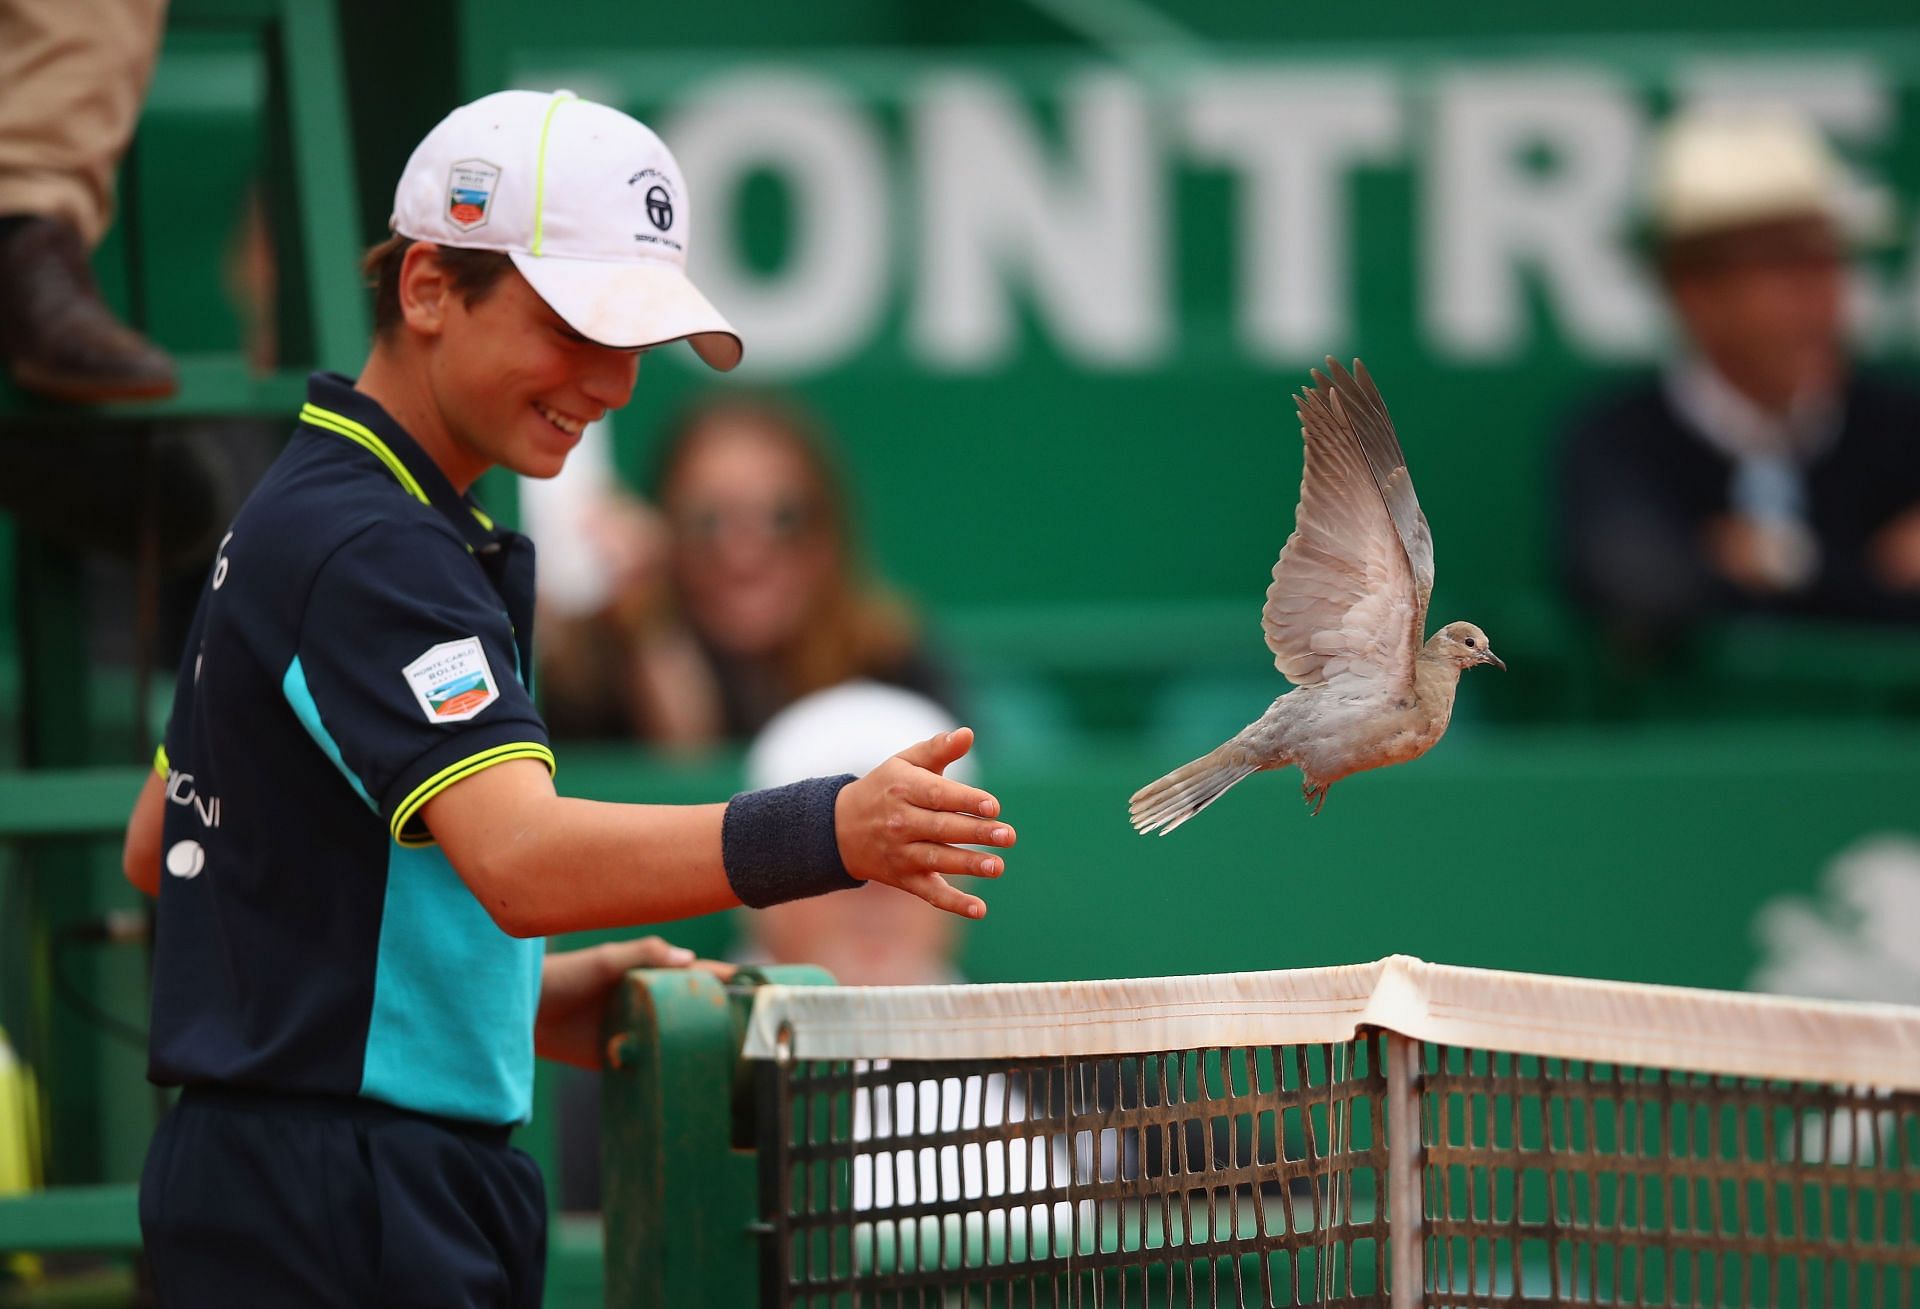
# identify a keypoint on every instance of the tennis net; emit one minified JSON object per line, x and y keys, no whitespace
{"x":1396,"y":1134}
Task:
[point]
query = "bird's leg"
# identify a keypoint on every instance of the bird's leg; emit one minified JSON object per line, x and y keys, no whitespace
{"x":1313,"y":795}
{"x":1320,"y":801}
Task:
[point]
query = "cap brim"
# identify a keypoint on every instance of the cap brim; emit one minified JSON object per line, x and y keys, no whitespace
{"x":625,"y":304}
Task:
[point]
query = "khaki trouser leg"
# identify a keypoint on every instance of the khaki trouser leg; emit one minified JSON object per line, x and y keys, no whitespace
{"x":73,"y":75}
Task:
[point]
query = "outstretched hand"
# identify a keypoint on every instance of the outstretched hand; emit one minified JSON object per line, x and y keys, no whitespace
{"x":903,"y":824}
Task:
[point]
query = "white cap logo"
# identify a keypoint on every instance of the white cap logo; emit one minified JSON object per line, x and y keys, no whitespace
{"x":659,"y":207}
{"x":658,"y":190}
{"x":587,"y":202}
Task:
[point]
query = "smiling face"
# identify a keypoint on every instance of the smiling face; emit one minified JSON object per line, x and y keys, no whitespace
{"x":507,"y":382}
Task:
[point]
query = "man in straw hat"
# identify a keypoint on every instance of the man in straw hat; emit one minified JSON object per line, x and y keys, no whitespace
{"x":1761,"y":472}
{"x":352,"y":830}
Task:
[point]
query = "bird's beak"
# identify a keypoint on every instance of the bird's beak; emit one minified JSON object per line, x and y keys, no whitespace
{"x":1489,"y":657}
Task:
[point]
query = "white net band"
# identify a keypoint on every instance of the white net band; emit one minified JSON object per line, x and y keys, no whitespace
{"x":1716,"y":1032}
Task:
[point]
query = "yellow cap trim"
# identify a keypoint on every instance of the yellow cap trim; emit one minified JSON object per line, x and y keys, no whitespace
{"x":456,"y":772}
{"x":540,"y":171}
{"x":339,"y":424}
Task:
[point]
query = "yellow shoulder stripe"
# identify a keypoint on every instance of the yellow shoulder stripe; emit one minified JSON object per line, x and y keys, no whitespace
{"x":361,"y":435}
{"x":465,"y":768}
{"x":161,"y":765}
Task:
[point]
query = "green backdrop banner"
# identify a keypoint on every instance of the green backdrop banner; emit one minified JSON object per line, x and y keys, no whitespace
{"x":1065,"y":297}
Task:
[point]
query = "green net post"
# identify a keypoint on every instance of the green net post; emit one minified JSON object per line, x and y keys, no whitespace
{"x":680,"y":1183}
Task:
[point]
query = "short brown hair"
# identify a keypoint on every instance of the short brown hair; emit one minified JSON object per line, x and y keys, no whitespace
{"x":475,"y":273}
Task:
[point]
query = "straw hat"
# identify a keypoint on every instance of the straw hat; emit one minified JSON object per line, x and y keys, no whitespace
{"x":1721,"y":170}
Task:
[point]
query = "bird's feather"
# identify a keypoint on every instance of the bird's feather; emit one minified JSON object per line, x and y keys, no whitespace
{"x":1188,"y":789}
{"x":1366,"y":412}
{"x":1349,"y":595}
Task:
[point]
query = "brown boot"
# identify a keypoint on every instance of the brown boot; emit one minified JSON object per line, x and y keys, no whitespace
{"x":58,"y":338}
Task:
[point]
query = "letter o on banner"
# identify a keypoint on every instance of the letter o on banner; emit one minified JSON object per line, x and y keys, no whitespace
{"x":826,"y":150}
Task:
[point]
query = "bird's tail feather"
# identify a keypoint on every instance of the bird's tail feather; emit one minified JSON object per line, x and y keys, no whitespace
{"x":1188,"y":789}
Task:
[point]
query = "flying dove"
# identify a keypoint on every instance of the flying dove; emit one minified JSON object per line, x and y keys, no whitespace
{"x":1343,"y":617}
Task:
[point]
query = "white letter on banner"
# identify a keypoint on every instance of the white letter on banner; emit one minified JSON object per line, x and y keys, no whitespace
{"x":1292,"y":138}
{"x":1490,"y":212}
{"x":1845,"y":96}
{"x":823,"y":304}
{"x":1088,"y":236}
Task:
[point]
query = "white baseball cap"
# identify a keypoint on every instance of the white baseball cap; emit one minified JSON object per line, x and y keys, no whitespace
{"x":587,"y":202}
{"x":850,"y":728}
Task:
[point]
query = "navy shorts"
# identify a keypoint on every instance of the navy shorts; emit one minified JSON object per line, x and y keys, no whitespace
{"x":258,"y":1199}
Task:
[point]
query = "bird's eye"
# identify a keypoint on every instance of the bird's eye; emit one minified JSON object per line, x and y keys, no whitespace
{"x":1469,"y":643}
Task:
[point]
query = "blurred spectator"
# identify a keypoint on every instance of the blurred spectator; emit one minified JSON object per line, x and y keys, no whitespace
{"x":1761,"y":472}
{"x":73,"y":74}
{"x":156,"y":495}
{"x":743,"y":593}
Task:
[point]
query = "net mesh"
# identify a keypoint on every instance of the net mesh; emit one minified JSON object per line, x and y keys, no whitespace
{"x":1565,"y":1182}
{"x":1208,"y":1176}
{"x":1264,"y":1174}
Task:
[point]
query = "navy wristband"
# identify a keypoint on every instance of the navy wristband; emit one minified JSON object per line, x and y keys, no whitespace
{"x":779,"y":844}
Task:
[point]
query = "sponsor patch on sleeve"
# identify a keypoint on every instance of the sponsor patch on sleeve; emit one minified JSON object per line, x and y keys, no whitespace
{"x":452,"y":681}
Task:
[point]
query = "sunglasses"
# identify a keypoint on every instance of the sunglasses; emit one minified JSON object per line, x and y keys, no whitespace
{"x":786,"y":521}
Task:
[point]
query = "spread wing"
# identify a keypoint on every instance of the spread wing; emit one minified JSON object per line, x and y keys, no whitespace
{"x":1349,"y":594}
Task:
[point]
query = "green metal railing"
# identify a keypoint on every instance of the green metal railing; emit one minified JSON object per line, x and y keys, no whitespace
{"x":72,"y":805}
{"x":57,"y":817}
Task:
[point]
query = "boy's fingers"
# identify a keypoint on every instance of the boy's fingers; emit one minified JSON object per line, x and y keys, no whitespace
{"x":962,"y":829}
{"x":935,"y":858}
{"x":941,"y":894}
{"x":617,"y":956}
{"x":936,"y":752}
{"x":650,"y":952}
{"x":939,"y":794}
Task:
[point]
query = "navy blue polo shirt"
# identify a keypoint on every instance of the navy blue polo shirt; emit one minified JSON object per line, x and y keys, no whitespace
{"x":363,"y":642}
